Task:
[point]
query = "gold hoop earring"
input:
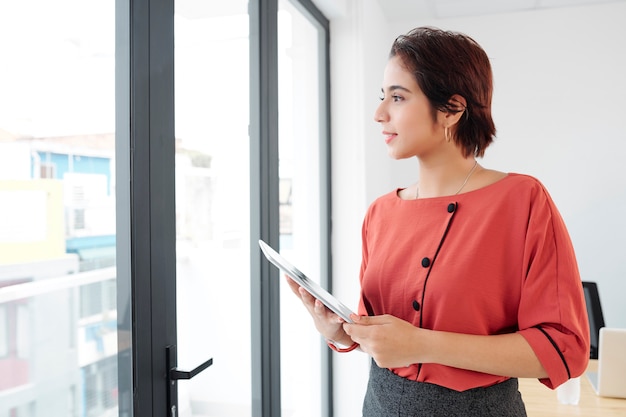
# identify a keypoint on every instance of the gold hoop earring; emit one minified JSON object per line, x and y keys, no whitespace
{"x":446,"y":134}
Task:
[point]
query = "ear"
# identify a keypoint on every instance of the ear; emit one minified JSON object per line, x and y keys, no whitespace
{"x":457,"y":106}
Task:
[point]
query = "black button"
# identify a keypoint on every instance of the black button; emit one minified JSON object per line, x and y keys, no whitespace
{"x":451,"y":207}
{"x":425,"y":262}
{"x":416,"y":305}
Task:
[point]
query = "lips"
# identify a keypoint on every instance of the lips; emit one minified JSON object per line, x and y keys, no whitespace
{"x":389,"y":136}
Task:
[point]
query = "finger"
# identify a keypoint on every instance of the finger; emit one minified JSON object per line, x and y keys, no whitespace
{"x":355,"y":318}
{"x":306,"y":298}
{"x":355,"y":332}
{"x":371,"y":320}
{"x":362,"y":320}
{"x":305,"y":295}
{"x":357,"y":328}
{"x":292,"y":284}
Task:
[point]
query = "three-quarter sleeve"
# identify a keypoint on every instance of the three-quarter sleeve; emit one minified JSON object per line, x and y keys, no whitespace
{"x":552,"y":312}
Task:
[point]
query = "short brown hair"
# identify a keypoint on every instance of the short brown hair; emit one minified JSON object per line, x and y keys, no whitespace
{"x":445,"y":63}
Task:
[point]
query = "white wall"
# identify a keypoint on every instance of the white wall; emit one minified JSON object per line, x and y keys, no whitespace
{"x":558,"y":103}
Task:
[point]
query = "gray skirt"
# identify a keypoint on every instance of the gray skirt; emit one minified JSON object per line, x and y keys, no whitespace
{"x":391,"y":395}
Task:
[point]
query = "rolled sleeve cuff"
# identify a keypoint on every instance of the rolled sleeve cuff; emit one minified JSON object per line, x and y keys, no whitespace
{"x":549,"y":354}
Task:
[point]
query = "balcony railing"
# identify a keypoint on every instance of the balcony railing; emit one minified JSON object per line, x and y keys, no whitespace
{"x":54,"y":358}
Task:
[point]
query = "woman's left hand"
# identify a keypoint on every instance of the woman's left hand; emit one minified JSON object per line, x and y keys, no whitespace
{"x":390,"y":341}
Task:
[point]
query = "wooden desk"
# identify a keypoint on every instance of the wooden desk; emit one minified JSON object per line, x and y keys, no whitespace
{"x":541,"y":401}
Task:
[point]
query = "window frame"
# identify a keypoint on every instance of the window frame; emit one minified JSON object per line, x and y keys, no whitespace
{"x":146,"y":235}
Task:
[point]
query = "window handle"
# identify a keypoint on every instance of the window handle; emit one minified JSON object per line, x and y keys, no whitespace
{"x":174,"y":374}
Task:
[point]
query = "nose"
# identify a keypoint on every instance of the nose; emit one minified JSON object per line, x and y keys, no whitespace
{"x":380,"y":115}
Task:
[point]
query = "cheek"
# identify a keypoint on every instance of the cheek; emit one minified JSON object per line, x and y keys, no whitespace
{"x":416,"y":124}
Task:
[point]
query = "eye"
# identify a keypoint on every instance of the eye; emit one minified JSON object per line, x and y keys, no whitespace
{"x":396,"y":98}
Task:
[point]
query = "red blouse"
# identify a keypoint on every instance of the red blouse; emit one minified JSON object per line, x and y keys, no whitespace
{"x":491,"y":261}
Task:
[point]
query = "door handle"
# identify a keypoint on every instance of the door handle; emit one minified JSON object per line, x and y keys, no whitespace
{"x":174,"y":374}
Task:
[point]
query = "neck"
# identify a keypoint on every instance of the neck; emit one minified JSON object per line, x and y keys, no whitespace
{"x":449,"y":178}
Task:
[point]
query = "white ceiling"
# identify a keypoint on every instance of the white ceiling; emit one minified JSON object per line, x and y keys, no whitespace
{"x":393,"y":9}
{"x":403,"y":9}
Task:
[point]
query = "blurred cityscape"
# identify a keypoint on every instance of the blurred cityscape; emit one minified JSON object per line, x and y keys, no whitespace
{"x":57,"y":260}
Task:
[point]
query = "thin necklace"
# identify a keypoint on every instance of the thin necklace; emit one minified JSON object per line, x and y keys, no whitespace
{"x":417,"y":189}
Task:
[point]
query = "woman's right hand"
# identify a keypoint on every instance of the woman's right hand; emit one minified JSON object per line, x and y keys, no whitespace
{"x":329,"y":324}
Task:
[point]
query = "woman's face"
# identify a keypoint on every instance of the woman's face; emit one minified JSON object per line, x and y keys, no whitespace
{"x":405,"y":114}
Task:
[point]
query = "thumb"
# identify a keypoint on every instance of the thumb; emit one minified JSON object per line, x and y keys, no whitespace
{"x":365,"y":320}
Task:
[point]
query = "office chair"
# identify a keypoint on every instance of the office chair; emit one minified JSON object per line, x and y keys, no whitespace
{"x":594,"y":313}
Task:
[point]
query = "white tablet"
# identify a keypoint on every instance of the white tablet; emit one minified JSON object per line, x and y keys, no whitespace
{"x":308,"y":284}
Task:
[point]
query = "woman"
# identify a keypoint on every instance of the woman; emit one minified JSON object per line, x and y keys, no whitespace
{"x":468,"y":278}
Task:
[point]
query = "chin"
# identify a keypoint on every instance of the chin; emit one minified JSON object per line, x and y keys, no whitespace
{"x":397,"y":156}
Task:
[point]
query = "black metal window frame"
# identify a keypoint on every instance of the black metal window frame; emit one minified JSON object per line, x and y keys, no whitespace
{"x":265,"y":302}
{"x":146,"y":253}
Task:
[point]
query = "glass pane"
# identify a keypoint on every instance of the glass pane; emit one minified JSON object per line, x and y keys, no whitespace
{"x":213,"y":205}
{"x":301,"y":217}
{"x":58,"y":329}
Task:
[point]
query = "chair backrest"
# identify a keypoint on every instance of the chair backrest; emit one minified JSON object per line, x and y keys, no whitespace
{"x":594,"y":312}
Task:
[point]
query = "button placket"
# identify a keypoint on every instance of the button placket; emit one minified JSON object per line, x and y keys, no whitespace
{"x":427,"y":262}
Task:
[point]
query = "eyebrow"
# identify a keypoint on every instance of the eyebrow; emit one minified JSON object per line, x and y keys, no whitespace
{"x":395,"y":87}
